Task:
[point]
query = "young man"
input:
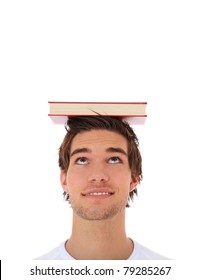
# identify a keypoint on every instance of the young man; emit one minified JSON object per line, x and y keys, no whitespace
{"x":101,"y":167}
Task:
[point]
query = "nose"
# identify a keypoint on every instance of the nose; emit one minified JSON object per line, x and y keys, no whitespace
{"x":98,"y":175}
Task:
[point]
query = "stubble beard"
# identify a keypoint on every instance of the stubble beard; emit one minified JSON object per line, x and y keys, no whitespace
{"x":99,"y":213}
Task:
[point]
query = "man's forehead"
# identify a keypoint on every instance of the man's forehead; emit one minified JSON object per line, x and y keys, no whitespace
{"x":99,"y":138}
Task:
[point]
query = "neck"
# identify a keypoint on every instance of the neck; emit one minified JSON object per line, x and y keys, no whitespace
{"x":104,"y":239}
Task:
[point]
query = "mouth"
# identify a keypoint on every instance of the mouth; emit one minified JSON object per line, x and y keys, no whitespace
{"x":98,"y":194}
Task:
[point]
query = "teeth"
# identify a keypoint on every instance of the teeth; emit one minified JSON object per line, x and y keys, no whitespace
{"x":99,"y":193}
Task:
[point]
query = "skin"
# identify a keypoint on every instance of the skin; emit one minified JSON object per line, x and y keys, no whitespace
{"x":98,"y":181}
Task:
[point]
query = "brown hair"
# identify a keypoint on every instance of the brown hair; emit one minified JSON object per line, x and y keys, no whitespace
{"x":77,"y":125}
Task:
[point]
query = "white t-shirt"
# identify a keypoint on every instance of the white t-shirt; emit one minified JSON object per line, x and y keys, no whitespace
{"x":139,"y":253}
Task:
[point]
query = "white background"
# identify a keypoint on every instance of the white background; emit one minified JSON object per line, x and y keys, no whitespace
{"x":98,"y":51}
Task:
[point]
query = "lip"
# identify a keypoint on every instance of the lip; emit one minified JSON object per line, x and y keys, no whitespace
{"x":98,"y":193}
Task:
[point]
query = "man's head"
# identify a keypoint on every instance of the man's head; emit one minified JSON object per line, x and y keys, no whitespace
{"x":79,"y":125}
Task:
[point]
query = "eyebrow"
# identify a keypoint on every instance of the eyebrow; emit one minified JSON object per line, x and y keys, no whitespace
{"x":80,"y":150}
{"x":116,"y":150}
{"x":109,"y":150}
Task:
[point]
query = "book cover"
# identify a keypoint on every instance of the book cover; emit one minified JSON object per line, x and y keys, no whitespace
{"x":132,"y":112}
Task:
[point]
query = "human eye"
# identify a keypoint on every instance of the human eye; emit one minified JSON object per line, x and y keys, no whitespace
{"x":115,"y":160}
{"x":81,"y":161}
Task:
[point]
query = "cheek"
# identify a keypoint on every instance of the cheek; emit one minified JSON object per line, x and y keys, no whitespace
{"x":121,"y":174}
{"x":125,"y":180}
{"x":75,"y":178}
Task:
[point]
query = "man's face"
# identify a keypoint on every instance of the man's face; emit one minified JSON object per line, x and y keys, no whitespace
{"x":99,"y":178}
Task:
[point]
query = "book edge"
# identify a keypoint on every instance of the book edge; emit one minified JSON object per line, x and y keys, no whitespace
{"x":109,"y":103}
{"x":132,"y":120}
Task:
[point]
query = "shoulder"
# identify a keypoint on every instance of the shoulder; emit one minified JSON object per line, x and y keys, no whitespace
{"x":141,"y":252}
{"x":58,"y":253}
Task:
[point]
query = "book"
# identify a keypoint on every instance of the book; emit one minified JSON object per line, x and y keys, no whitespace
{"x":132,"y":112}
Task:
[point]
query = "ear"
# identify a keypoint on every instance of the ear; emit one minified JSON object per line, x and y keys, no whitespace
{"x":134,"y":182}
{"x":63,"y":180}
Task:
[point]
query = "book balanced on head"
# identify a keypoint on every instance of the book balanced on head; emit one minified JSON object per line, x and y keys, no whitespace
{"x":132,"y":112}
